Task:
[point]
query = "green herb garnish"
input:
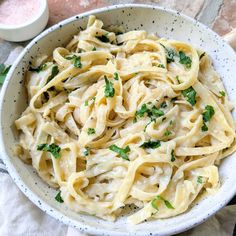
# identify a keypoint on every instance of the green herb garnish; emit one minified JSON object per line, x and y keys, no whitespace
{"x":172,"y":156}
{"x":59,"y":198}
{"x":158,"y":197}
{"x":152,"y":113}
{"x":161,"y":66}
{"x":54,"y":72}
{"x":170,"y":54}
{"x":76,"y":60}
{"x":204,"y":127}
{"x":3,"y":72}
{"x":155,"y":113}
{"x":52,"y":148}
{"x":142,"y":110}
{"x":86,"y":103}
{"x":39,"y":68}
{"x":91,"y":131}
{"x":121,"y":151}
{"x":199,"y":179}
{"x":154,"y":205}
{"x":94,"y":49}
{"x":208,"y":113}
{"x":206,"y":116}
{"x":185,"y":60}
{"x":167,"y":203}
{"x":151,"y":144}
{"x":222,"y":93}
{"x":109,"y":90}
{"x":116,"y":76}
{"x":190,"y":94}
{"x":167,"y":133}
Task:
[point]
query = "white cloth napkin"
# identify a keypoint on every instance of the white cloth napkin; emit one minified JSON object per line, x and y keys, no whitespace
{"x":18,"y":216}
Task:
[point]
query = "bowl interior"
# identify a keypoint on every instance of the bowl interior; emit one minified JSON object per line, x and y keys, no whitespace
{"x":166,"y":24}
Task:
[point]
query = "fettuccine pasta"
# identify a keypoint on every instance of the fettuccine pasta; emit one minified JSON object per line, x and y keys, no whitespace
{"x":125,"y":118}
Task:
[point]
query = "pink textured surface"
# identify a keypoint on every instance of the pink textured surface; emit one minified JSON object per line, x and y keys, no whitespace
{"x":226,"y":19}
{"x":62,"y":9}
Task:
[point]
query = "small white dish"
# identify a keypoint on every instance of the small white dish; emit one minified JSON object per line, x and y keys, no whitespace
{"x":166,"y":23}
{"x":28,"y":30}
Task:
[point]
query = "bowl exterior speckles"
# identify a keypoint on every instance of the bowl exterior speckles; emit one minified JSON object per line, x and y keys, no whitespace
{"x":165,"y":23}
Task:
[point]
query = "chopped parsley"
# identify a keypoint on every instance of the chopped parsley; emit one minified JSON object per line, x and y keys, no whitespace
{"x":91,"y":131}
{"x":204,"y":127}
{"x":172,"y":156}
{"x":154,"y":204}
{"x":103,"y":38}
{"x":190,"y":95}
{"x":142,"y":110}
{"x":39,"y":68}
{"x":185,"y":60}
{"x":155,"y":113}
{"x":145,"y":128}
{"x":152,"y":113}
{"x":52,"y":148}
{"x":76,"y":60}
{"x":121,"y":151}
{"x":167,"y":133}
{"x":222,"y":93}
{"x":206,"y":116}
{"x":199,"y":179}
{"x":163,"y":105}
{"x":58,"y":197}
{"x":167,"y":203}
{"x":170,"y":54}
{"x":86,"y":103}
{"x":94,"y":49}
{"x":161,"y":66}
{"x":109,"y":90}
{"x":202,"y":55}
{"x":208,"y":113}
{"x":151,"y":144}
{"x":54,"y":72}
{"x":116,"y":76}
{"x":3,"y":72}
{"x":160,"y":198}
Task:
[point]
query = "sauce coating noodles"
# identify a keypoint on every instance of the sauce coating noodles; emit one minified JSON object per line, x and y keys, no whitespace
{"x":126,"y":118}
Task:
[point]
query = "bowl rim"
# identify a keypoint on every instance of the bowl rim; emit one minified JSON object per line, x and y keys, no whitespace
{"x":46,"y":207}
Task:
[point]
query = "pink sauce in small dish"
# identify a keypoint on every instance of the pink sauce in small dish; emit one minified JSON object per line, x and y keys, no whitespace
{"x":18,"y":12}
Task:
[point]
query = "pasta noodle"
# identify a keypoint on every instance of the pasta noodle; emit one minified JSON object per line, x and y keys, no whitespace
{"x":118,"y":119}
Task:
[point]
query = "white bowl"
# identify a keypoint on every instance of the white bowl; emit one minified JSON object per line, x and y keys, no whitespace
{"x":166,"y":23}
{"x":28,"y":30}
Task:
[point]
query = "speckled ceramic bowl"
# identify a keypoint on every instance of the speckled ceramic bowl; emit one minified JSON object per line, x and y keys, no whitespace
{"x":165,"y":23}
